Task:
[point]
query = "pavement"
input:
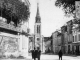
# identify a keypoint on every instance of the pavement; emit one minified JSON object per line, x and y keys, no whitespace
{"x":50,"y":57}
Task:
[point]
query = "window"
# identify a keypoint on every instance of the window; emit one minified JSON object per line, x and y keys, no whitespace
{"x":79,"y":37}
{"x":75,"y":38}
{"x":38,"y":29}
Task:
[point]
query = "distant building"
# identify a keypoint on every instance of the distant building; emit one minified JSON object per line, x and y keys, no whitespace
{"x":67,"y":37}
{"x":63,"y":36}
{"x":76,"y":39}
{"x":47,"y":44}
{"x":59,"y":41}
{"x":66,"y":43}
{"x":55,"y":40}
{"x":70,"y":36}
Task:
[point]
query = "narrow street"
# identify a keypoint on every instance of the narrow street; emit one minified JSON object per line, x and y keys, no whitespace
{"x":55,"y":57}
{"x":50,"y":57}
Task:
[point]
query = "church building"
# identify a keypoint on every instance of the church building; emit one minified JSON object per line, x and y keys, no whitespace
{"x":37,"y":29}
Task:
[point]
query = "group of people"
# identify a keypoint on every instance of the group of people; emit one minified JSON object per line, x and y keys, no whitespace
{"x":36,"y":53}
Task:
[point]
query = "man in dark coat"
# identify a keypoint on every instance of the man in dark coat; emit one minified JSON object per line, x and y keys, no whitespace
{"x":38,"y":53}
{"x":60,"y":54}
{"x":34,"y":54}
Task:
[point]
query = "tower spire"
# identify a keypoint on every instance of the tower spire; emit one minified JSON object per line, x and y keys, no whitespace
{"x":37,"y":9}
{"x":37,"y":14}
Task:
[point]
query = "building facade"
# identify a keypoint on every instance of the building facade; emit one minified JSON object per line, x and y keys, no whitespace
{"x":47,"y":44}
{"x":70,"y":36}
{"x":63,"y":37}
{"x":55,"y":40}
{"x":76,"y":39}
{"x":43,"y":44}
{"x":12,"y":40}
{"x":31,"y":43}
{"x":59,"y":41}
{"x":66,"y":43}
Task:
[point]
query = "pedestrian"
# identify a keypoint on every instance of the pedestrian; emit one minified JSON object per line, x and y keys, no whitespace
{"x":38,"y":53}
{"x":60,"y":54}
{"x":33,"y":54}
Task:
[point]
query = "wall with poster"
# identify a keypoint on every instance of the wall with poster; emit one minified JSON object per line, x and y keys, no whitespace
{"x":8,"y":43}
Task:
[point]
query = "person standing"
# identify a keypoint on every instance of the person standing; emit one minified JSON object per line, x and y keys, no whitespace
{"x":33,"y":54}
{"x":38,"y":53}
{"x":60,"y":54}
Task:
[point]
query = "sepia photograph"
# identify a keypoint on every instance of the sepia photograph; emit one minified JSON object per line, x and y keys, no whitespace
{"x":39,"y":29}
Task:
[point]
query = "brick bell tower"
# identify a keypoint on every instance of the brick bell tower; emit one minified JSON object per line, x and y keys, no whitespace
{"x":37,"y":29}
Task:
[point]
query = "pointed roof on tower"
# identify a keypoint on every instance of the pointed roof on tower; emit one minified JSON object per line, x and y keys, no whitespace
{"x":37,"y":9}
{"x":38,"y":19}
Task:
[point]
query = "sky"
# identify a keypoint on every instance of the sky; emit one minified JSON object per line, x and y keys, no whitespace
{"x":52,"y":17}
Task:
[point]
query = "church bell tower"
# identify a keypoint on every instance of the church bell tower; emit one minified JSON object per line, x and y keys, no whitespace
{"x":37,"y":29}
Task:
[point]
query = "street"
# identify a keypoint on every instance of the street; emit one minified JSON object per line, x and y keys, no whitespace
{"x":55,"y":57}
{"x":50,"y":57}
